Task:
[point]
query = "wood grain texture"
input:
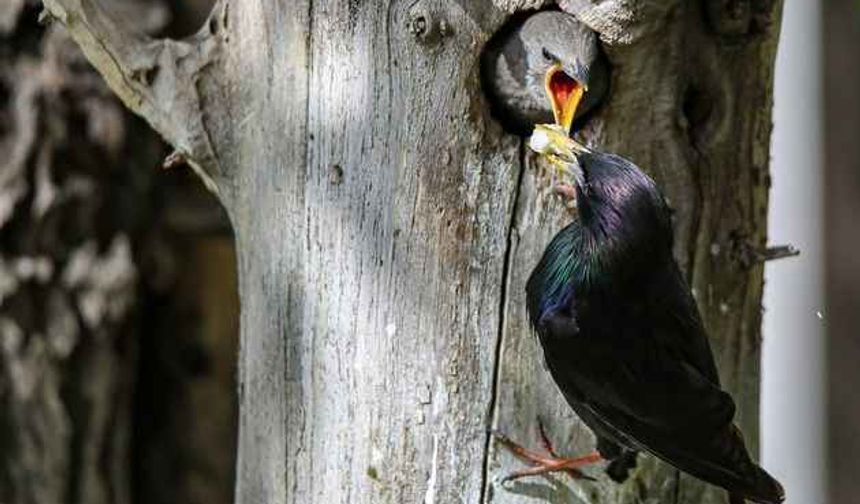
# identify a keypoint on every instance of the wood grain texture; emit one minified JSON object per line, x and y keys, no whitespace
{"x":378,"y":298}
{"x":381,"y":260}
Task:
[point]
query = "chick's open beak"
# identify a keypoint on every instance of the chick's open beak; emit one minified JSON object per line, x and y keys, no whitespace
{"x":564,"y":94}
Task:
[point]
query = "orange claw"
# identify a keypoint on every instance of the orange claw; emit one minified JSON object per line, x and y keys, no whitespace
{"x":565,"y":190}
{"x":544,"y":464}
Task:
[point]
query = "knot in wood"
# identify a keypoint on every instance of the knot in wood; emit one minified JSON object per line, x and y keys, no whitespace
{"x":145,"y":76}
{"x":729,"y":17}
{"x":425,"y":27}
{"x":335,"y":176}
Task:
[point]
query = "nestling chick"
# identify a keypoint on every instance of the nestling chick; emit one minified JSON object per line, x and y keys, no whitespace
{"x":549,"y":51}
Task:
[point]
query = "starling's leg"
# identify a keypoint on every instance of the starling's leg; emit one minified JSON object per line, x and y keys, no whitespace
{"x":570,"y":466}
{"x":565,"y":190}
{"x":546,"y":463}
{"x":522,"y":452}
{"x":547,"y":445}
{"x":568,"y":192}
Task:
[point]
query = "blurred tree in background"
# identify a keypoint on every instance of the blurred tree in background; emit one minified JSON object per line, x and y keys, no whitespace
{"x":117,"y":287}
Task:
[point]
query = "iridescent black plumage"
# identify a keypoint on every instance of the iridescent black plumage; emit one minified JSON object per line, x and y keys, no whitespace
{"x":623,"y":339}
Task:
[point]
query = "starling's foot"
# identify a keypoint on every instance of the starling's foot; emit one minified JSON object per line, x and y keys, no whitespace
{"x":545,"y":464}
{"x":566,"y":190}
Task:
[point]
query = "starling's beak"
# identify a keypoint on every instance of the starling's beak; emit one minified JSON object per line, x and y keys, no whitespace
{"x":564,"y":94}
{"x":552,"y":141}
{"x":560,"y":150}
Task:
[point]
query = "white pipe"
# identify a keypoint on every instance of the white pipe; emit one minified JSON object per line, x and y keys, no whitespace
{"x":793,"y":416}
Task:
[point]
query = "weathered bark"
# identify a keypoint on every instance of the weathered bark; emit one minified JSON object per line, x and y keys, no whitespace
{"x":385,"y":224}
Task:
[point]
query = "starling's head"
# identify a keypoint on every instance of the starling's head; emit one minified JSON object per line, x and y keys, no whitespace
{"x":564,"y":62}
{"x":621,"y":215}
{"x":607,"y":186}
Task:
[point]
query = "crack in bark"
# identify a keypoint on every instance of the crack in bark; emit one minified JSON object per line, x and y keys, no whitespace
{"x":497,"y":363}
{"x":311,"y":404}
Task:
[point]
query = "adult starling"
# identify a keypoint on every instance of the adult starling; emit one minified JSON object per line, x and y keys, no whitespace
{"x":548,"y":51}
{"x":621,"y":333}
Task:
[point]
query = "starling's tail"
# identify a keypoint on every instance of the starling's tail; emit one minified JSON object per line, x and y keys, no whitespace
{"x":723,"y":460}
{"x":726,"y":463}
{"x":764,"y":489}
{"x":754,"y":483}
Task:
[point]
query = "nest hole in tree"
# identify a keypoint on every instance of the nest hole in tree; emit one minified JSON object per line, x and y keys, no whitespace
{"x":489,"y":52}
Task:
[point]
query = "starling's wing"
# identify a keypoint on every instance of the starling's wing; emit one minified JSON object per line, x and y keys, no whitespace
{"x":628,"y":371}
{"x":671,"y":302}
{"x":652,"y":402}
{"x":643,"y":368}
{"x":645,"y":355}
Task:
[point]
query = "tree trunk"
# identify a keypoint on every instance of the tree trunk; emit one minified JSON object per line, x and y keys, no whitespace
{"x":386,"y":224}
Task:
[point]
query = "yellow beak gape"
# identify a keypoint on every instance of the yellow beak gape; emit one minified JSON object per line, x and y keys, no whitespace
{"x":564,"y":93}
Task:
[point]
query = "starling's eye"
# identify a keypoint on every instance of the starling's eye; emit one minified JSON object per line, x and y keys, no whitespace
{"x":548,"y":56}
